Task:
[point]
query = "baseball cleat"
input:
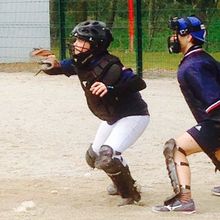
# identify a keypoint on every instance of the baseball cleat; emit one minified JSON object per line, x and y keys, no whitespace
{"x":216,"y":191}
{"x":177,"y":206}
{"x":112,"y":190}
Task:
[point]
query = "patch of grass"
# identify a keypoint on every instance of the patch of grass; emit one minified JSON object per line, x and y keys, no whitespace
{"x":155,"y":64}
{"x":154,"y":60}
{"x":151,"y":60}
{"x":216,"y":55}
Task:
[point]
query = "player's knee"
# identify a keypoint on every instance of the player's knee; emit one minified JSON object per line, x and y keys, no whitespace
{"x":216,"y":159}
{"x":91,"y":157}
{"x":217,"y":155}
{"x":172,"y":150}
{"x":104,"y":159}
{"x":169,"y":148}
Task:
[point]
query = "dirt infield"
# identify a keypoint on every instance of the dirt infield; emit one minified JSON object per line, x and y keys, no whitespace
{"x":45,"y":130}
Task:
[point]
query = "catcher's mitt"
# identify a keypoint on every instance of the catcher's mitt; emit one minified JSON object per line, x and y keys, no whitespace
{"x":41,"y":53}
{"x":45,"y":58}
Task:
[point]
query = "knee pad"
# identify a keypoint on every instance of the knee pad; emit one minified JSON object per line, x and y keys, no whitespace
{"x":91,"y":157}
{"x":108,"y":161}
{"x":105,"y":158}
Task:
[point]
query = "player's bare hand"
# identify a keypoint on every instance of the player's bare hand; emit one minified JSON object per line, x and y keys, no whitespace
{"x":99,"y":88}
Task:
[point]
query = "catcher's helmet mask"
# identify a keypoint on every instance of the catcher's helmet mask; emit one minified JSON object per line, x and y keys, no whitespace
{"x":80,"y":47}
{"x":94,"y":32}
{"x":187,"y":25}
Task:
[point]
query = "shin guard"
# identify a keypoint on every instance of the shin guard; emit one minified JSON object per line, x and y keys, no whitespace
{"x":179,"y":190}
{"x":168,"y":152}
{"x":124,"y":182}
{"x":119,"y":174}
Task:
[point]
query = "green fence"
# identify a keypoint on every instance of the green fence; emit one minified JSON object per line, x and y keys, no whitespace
{"x":63,"y":15}
{"x":154,"y":27}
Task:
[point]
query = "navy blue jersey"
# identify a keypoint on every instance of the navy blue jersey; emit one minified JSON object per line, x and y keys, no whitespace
{"x":123,"y":98}
{"x":199,"y":80}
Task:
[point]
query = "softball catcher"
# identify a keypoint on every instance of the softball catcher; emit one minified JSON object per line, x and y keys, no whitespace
{"x":112,"y":94}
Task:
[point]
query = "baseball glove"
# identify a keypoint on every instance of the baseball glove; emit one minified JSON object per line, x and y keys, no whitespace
{"x":41,"y":53}
{"x":45,"y":58}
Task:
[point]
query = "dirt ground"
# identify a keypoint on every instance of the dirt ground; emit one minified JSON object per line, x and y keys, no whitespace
{"x":45,"y":130}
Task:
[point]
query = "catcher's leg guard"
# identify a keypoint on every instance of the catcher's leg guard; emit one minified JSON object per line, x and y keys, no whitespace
{"x":169,"y":149}
{"x":119,"y":174}
{"x":91,"y":157}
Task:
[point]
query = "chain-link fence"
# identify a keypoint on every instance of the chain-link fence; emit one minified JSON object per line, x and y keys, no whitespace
{"x":30,"y":20}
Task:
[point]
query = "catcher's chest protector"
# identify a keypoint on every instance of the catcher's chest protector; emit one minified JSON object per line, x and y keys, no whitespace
{"x":89,"y":76}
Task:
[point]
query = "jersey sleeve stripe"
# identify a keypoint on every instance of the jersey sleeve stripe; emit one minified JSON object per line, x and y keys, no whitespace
{"x":213,"y":106}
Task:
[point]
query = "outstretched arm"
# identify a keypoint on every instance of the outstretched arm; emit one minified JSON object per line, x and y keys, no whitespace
{"x":52,"y":66}
{"x":49,"y":63}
